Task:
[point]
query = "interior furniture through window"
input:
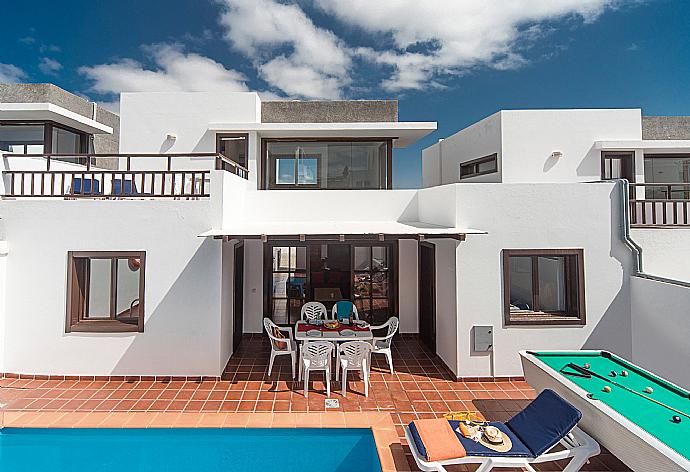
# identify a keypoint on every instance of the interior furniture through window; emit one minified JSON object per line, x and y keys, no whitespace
{"x":543,"y":286}
{"x":105,"y":291}
{"x":325,"y":164}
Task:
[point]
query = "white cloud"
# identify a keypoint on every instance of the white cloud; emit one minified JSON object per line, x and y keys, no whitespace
{"x":49,"y":66}
{"x":174,"y":70}
{"x":288,"y":50}
{"x":430,"y":38}
{"x":11,"y":74}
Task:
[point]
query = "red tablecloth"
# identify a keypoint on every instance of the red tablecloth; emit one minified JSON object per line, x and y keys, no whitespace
{"x":303,"y":327}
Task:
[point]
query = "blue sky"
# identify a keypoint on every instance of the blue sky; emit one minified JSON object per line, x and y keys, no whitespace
{"x":451,"y":61}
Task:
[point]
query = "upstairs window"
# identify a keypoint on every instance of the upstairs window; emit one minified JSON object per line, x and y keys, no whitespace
{"x":326,"y":164}
{"x":105,"y":291}
{"x":482,"y":166}
{"x":18,"y":137}
{"x":543,"y":286}
{"x":21,"y":139}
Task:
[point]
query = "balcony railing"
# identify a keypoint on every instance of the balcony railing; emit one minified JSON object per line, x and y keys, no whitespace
{"x":660,"y":205}
{"x":132,"y":175}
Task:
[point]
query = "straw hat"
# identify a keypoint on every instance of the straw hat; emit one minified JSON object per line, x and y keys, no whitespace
{"x":494,"y":439}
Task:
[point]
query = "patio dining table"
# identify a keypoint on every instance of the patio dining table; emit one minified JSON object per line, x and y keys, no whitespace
{"x":338,"y":334}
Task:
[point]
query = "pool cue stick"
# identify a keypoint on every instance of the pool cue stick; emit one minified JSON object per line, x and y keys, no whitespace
{"x":594,"y":374}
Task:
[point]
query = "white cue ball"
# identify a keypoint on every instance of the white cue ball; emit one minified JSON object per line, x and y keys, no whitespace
{"x":648,"y":390}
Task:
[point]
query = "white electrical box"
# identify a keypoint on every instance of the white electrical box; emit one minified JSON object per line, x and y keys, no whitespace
{"x":483,"y":338}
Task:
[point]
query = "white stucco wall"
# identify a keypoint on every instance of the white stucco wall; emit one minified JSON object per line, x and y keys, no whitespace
{"x":532,"y":216}
{"x":661,"y":328}
{"x":478,"y":140}
{"x":147,"y":117}
{"x":3,"y":299}
{"x":408,"y":286}
{"x":182,"y":334}
{"x":524,"y":141}
{"x":665,"y":251}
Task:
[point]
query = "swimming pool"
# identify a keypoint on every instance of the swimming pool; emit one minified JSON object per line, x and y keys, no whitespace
{"x":182,"y":449}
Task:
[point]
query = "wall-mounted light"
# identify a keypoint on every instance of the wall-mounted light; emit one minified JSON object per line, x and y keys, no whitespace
{"x":171,"y":136}
{"x":556,"y":154}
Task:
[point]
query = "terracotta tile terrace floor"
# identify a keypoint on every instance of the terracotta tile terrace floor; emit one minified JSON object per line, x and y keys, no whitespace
{"x":421,"y":387}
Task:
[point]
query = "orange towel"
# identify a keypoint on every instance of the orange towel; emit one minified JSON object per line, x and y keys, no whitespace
{"x":440,"y":441}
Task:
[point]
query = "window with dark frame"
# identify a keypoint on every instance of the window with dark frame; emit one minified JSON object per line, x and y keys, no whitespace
{"x":482,"y":166}
{"x":105,"y":291}
{"x":543,"y":286}
{"x":39,"y":137}
{"x":326,"y":163}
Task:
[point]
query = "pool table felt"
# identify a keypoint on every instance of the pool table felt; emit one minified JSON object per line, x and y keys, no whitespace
{"x":653,"y":418}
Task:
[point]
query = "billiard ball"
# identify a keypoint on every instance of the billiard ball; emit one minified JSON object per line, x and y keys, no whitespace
{"x":624,"y":373}
{"x":676,"y":419}
{"x":587,"y":366}
{"x":648,"y":390}
{"x":607,"y":389}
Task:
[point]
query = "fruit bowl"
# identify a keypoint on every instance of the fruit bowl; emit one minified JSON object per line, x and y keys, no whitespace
{"x":331,"y":324}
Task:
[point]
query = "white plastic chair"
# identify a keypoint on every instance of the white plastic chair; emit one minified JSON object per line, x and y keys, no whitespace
{"x":382,"y":345}
{"x":313,"y":311}
{"x":334,"y":311}
{"x":315,"y":355}
{"x":354,"y":355}
{"x":280,"y":346}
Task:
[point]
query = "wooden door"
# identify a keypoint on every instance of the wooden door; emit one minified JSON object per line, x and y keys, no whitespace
{"x":427,"y":295}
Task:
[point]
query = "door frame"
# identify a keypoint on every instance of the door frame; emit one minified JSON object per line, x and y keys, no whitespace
{"x":619,"y":155}
{"x":421,"y":284}
{"x":238,"y":248}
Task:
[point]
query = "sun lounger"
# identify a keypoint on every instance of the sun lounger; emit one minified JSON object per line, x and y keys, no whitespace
{"x":534,"y":432}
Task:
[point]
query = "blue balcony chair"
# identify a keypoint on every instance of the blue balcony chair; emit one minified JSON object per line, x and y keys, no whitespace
{"x":124,"y":188}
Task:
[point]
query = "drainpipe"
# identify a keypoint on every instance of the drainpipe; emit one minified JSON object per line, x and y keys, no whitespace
{"x":632,"y":245}
{"x":625,"y":227}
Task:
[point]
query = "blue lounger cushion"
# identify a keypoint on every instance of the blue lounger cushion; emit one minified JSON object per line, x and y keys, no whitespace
{"x":86,"y":186}
{"x":474,"y":448}
{"x":126,"y":187}
{"x":544,"y":422}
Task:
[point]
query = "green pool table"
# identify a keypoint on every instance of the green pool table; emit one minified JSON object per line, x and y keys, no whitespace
{"x":637,"y":426}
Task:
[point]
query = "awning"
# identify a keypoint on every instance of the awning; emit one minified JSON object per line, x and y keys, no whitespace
{"x":339,"y":230}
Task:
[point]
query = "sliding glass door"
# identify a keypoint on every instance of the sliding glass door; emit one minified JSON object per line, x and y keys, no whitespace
{"x":299,"y":272}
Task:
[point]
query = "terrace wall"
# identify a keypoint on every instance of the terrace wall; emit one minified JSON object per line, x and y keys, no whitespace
{"x":182,"y":334}
{"x":532,"y":216}
{"x":661,"y":328}
{"x":665,"y":251}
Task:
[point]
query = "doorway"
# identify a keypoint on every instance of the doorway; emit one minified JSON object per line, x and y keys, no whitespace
{"x":327,"y":271}
{"x":618,"y":165}
{"x":238,"y":298}
{"x":427,"y":295}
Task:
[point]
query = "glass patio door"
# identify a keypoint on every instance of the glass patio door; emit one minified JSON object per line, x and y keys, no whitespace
{"x":288,"y":283}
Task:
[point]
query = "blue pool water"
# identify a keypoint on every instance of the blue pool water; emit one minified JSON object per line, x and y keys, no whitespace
{"x":181,"y":449}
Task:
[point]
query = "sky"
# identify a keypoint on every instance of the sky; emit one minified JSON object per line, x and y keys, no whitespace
{"x":450,"y":61}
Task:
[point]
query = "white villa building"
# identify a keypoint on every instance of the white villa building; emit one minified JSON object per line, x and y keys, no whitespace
{"x":148,"y":245}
